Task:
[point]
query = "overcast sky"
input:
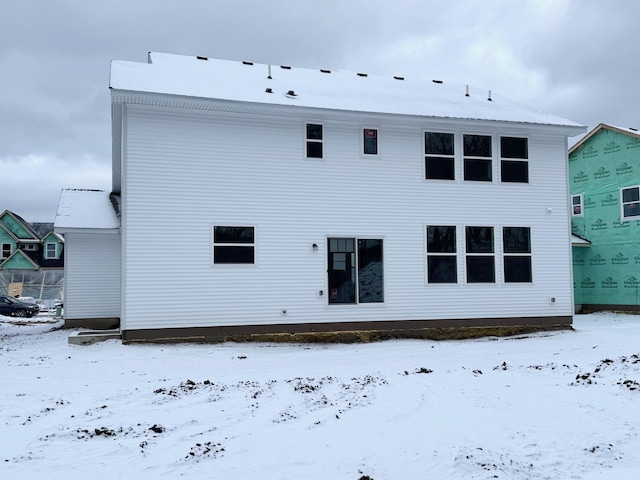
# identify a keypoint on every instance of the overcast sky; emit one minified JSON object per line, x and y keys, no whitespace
{"x":573,"y":58}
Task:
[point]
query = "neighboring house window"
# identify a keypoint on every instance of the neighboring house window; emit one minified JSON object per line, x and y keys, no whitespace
{"x":6,"y":250}
{"x":51,"y":251}
{"x":514,"y":159}
{"x":630,"y":202}
{"x":233,"y":245}
{"x":439,"y":160}
{"x":314,"y":140}
{"x":480,"y":255}
{"x":517,"y":254}
{"x":577,"y":205}
{"x":442,"y":265}
{"x":370,"y":141}
{"x":355,"y":270}
{"x":477,"y":158}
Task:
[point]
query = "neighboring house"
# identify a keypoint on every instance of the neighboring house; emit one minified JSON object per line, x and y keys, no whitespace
{"x":262,"y":199}
{"x":604,"y":172}
{"x":31,"y":256}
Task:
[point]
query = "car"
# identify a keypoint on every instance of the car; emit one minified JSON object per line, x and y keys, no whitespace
{"x":12,"y":307}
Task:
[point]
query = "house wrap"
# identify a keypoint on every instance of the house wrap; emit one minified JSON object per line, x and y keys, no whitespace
{"x":268,"y":198}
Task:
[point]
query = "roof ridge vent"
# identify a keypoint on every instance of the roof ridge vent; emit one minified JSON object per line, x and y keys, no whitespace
{"x":202,"y":58}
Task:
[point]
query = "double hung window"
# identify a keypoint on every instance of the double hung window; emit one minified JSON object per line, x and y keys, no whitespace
{"x":577,"y":205}
{"x":517,"y":254}
{"x":630,"y":203}
{"x":6,"y":250}
{"x":233,"y":245}
{"x":51,"y":251}
{"x":480,"y":255}
{"x":439,"y":159}
{"x":442,"y":266}
{"x":477,"y":158}
{"x":314,"y":140}
{"x":514,"y":159}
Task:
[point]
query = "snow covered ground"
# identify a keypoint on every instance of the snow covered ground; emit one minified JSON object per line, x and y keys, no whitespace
{"x":563,"y":405}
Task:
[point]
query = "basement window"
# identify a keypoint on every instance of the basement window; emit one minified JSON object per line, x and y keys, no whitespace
{"x":630,"y":203}
{"x":314,"y":140}
{"x":235,"y":245}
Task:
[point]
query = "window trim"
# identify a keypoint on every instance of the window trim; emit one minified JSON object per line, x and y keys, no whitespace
{"x":506,"y":254}
{"x":46,"y":251}
{"x":624,"y":218}
{"x":580,"y":204}
{"x":453,"y":254}
{"x":308,"y":140}
{"x":215,"y":244}
{"x":489,"y":159}
{"x":363,"y":130}
{"x":426,"y":155}
{"x":514,"y":159}
{"x":493,"y":254}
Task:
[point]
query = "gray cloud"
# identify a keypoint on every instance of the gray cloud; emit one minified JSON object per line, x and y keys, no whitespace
{"x":573,"y":58}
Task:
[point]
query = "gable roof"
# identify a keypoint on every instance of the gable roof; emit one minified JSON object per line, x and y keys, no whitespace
{"x":23,"y":223}
{"x":15,"y":256}
{"x":631,"y":132}
{"x":225,"y":80}
{"x":87,"y":210}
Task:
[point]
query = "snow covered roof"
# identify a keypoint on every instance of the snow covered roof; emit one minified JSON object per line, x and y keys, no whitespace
{"x":207,"y":78}
{"x":87,"y":210}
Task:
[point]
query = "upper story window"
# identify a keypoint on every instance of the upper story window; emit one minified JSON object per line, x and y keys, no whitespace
{"x":480,"y":255}
{"x":6,"y":250}
{"x":439,"y":157}
{"x":51,"y":251}
{"x":233,"y":245}
{"x":514,"y":159}
{"x":370,"y":141}
{"x":314,"y":140}
{"x":442,"y":266}
{"x":630,"y":202}
{"x":477,"y":158}
{"x":517,"y":254}
{"x":577,"y":205}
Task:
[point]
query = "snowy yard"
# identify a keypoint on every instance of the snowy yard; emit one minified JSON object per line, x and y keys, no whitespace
{"x":562,"y":405}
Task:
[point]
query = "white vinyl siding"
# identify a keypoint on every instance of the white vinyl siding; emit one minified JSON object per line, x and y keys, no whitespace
{"x":187,"y":170}
{"x":92,"y":276}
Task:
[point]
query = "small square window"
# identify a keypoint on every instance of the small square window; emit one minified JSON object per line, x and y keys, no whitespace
{"x":370,"y":141}
{"x":234,"y":245}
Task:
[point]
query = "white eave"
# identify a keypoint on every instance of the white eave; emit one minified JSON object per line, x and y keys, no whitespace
{"x":577,"y":241}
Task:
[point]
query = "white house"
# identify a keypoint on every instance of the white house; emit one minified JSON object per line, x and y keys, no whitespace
{"x":268,"y":199}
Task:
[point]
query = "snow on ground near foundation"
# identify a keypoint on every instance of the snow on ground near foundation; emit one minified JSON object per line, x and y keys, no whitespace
{"x":549,"y":405}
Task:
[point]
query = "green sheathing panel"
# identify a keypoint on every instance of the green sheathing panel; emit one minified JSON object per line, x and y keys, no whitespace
{"x":18,"y":262}
{"x":608,"y":271}
{"x":51,"y":238}
{"x":6,"y":238}
{"x":18,"y":230}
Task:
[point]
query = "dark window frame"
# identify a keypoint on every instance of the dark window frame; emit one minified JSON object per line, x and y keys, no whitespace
{"x":517,"y":256}
{"x":476,"y":257}
{"x":314,"y":145}
{"x":373,"y":141}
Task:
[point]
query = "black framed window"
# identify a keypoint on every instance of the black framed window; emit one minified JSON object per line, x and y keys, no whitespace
{"x":442,"y":266}
{"x":630,"y":203}
{"x":370,"y":141}
{"x":315,"y":139}
{"x":439,"y":159}
{"x":233,"y":245}
{"x":517,"y":254}
{"x":477,"y":158}
{"x":480,"y":258}
{"x":355,"y":270}
{"x":514,"y":159}
{"x":6,"y":250}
